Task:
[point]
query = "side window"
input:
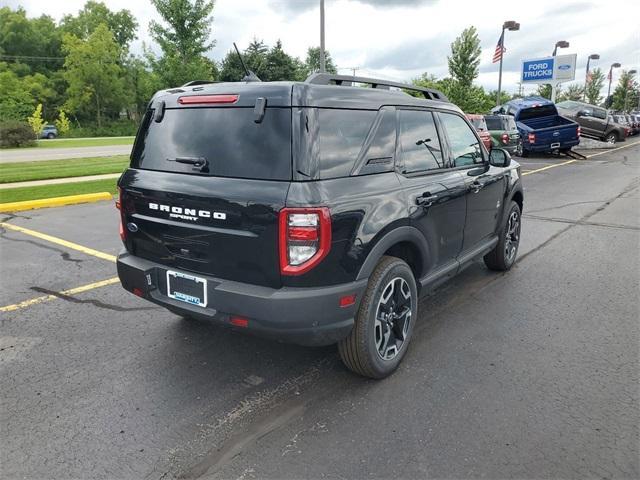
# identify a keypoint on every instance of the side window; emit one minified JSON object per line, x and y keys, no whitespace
{"x":465,"y":147}
{"x":419,"y":141}
{"x":600,"y":113}
{"x":341,"y":136}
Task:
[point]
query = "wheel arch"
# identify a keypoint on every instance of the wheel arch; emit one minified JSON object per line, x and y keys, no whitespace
{"x":404,"y":242}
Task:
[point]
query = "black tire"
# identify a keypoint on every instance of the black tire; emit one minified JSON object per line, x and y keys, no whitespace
{"x":519,"y":150}
{"x":376,"y":333}
{"x":611,"y":138}
{"x":503,"y":256}
{"x":50,"y":136}
{"x":525,"y":153}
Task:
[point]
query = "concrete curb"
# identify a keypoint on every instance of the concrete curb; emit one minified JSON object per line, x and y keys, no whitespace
{"x":55,"y":202}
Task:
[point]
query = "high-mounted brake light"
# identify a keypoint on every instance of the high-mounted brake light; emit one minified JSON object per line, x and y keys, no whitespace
{"x":202,"y":99}
{"x":532,"y":138}
{"x":304,"y":238}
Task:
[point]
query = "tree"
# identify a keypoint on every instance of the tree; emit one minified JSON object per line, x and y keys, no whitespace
{"x":625,"y":93}
{"x":122,"y":24}
{"x":573,"y":92}
{"x":312,"y":62}
{"x":465,"y":57}
{"x":16,"y":101}
{"x":62,"y":123}
{"x":141,"y":82}
{"x":280,"y":65}
{"x":544,"y":90}
{"x":22,"y":37}
{"x":183,"y":39}
{"x":594,"y":87}
{"x":94,"y":75}
{"x":36,"y":122}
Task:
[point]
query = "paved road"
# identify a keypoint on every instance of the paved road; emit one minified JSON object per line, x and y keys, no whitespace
{"x":33,"y":154}
{"x":533,"y":373}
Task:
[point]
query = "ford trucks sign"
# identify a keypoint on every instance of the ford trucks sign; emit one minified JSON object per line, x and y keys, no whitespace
{"x":561,"y":68}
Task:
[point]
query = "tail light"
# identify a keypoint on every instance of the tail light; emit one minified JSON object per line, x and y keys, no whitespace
{"x":505,"y":138}
{"x":304,"y":238}
{"x":579,"y":131}
{"x":123,"y":231}
{"x":532,"y":138}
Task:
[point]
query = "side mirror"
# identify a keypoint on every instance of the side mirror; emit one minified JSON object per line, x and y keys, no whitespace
{"x":582,"y":113}
{"x":499,"y":158}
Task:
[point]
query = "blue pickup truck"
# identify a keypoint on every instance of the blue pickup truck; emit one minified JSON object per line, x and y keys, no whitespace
{"x":541,"y":128}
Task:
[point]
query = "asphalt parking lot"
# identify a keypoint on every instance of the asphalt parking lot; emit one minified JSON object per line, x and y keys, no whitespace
{"x":533,"y":373}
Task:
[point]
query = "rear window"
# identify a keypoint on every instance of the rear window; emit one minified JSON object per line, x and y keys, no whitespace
{"x":228,"y":139}
{"x":535,"y":112}
{"x":479,"y":123}
{"x":494,"y":123}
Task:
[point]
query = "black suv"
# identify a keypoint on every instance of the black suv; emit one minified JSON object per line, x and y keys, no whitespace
{"x":312,"y":212}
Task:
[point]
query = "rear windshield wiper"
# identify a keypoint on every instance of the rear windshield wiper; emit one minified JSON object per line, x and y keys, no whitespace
{"x":199,"y":163}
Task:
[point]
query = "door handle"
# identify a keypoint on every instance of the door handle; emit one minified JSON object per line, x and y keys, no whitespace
{"x":476,"y":186}
{"x":426,"y":199}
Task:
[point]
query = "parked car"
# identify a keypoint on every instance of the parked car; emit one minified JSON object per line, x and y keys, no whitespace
{"x":481,"y":127}
{"x":541,"y":127}
{"x":636,"y":120}
{"x":594,"y":121}
{"x":633,"y":124}
{"x":311,"y":212}
{"x":49,"y":131}
{"x":504,"y":133}
{"x":625,"y":126}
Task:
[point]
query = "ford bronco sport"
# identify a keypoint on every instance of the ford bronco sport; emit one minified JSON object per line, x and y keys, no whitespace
{"x":311,"y":212}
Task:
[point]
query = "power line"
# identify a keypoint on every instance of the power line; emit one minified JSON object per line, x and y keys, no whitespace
{"x":29,"y":57}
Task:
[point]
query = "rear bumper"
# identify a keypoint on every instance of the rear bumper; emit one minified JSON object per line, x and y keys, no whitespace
{"x":547,"y":146}
{"x":305,"y":316}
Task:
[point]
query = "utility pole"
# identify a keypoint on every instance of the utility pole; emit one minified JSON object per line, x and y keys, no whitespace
{"x":323,"y":66}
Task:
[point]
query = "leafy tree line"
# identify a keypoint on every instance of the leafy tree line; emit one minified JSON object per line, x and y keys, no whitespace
{"x":81,"y":74}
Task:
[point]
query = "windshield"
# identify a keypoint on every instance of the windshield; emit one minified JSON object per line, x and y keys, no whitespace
{"x":224,"y":142}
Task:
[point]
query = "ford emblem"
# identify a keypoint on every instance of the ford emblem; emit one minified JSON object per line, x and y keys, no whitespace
{"x":564,"y":67}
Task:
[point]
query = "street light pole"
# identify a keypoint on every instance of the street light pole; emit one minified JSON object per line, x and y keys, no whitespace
{"x":512,"y":26}
{"x":613,"y":65}
{"x":593,"y":56}
{"x":561,"y":44}
{"x":322,"y":58}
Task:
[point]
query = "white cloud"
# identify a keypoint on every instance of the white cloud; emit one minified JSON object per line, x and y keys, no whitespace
{"x":402,"y":39}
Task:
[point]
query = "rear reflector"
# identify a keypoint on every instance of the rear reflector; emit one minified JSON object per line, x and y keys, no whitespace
{"x":138,"y":292}
{"x":201,"y":99}
{"x":239,"y":322}
{"x":347,"y":300}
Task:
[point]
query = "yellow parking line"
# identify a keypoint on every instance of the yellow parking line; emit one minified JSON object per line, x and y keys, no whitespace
{"x":548,"y":167}
{"x":529,"y":172}
{"x":60,"y":241}
{"x":46,"y":298}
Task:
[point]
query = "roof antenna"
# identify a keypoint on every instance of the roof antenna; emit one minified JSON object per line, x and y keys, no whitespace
{"x":250,"y":76}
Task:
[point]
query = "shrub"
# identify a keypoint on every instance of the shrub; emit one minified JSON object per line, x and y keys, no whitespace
{"x":117,"y":128}
{"x":16,"y":134}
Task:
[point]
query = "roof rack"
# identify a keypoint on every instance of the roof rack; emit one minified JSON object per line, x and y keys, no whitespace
{"x":347,"y":80}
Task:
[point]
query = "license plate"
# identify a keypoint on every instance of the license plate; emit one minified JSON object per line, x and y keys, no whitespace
{"x":187,"y":288}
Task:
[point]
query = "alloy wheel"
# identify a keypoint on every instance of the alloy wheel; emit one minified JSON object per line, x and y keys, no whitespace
{"x":512,"y":236}
{"x":393,"y":318}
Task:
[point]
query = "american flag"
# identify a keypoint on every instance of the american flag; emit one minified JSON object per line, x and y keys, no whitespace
{"x":497,"y":55}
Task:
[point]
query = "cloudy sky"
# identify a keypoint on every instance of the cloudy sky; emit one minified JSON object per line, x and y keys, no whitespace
{"x":400,"y":39}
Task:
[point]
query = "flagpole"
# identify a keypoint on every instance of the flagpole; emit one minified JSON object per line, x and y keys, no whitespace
{"x":512,"y":26}
{"x":500,"y":69}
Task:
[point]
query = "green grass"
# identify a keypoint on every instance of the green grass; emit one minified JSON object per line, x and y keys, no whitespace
{"x":81,"y":142}
{"x":59,"y":190}
{"x":73,"y":167}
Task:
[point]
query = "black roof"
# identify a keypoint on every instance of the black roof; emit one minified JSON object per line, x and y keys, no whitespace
{"x":323,"y":93}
